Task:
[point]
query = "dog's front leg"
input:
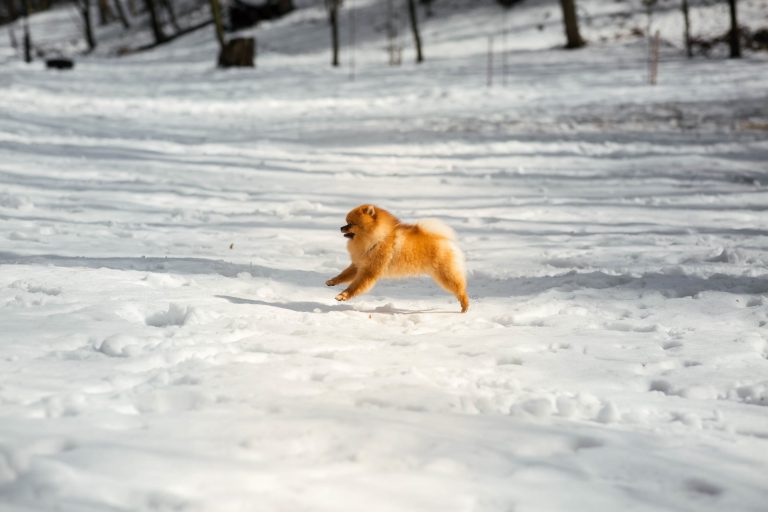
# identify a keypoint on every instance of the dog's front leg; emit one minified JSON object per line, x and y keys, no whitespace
{"x":363,"y":282}
{"x":346,"y":275}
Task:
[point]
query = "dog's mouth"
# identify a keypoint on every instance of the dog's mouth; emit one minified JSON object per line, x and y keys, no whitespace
{"x":345,"y":230}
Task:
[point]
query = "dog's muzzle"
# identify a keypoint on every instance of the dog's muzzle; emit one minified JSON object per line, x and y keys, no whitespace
{"x":345,"y":230}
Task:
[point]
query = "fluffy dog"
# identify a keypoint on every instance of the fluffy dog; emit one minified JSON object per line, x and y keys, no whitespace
{"x":381,"y":246}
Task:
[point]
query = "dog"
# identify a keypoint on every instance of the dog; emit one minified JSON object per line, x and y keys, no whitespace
{"x":381,"y":246}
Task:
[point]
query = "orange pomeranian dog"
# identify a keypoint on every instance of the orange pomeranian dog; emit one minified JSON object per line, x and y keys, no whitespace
{"x":381,"y":246}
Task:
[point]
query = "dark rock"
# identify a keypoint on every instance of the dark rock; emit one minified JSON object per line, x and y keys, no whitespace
{"x":59,"y":63}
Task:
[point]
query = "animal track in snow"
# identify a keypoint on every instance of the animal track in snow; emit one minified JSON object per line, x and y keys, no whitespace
{"x":704,"y":487}
{"x":35,"y":288}
{"x":671,"y":344}
{"x":175,"y":315}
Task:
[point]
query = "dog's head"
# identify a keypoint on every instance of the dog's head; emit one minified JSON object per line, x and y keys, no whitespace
{"x":360,"y":221}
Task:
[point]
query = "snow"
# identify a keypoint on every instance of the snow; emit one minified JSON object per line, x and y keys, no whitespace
{"x":167,"y":342}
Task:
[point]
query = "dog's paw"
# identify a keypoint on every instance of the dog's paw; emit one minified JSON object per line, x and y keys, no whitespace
{"x":342,"y":296}
{"x":331,"y":282}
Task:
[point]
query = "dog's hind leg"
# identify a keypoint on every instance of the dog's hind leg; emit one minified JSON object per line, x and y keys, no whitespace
{"x":347,"y":275}
{"x":454,"y":282}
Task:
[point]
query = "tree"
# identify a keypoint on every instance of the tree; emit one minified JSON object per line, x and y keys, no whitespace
{"x":333,"y":18}
{"x":105,"y":12}
{"x":157,"y":30}
{"x":168,"y":5}
{"x":218,"y":24}
{"x":13,"y":13}
{"x":571,"y":22}
{"x":27,"y":36}
{"x":687,"y":29}
{"x":734,"y":40}
{"x":427,"y":7}
{"x":121,"y":14}
{"x":237,"y":52}
{"x":85,"y":11}
{"x":415,"y":29}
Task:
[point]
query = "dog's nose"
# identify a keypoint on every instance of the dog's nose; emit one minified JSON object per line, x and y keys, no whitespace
{"x":344,"y":229}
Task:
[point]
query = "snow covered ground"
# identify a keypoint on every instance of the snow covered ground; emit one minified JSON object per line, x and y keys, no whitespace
{"x":167,"y":343}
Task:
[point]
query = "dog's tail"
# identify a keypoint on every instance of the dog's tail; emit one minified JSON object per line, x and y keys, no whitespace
{"x":437,"y":227}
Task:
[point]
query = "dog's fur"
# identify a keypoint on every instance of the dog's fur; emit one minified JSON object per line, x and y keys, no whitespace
{"x":381,"y":246}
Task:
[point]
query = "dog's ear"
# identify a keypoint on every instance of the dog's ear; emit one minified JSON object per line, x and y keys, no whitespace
{"x":370,"y":210}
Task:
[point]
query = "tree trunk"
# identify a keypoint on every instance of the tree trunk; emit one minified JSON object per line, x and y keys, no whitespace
{"x":333,"y":17}
{"x":168,"y":5}
{"x":687,"y":29}
{"x":571,"y":23}
{"x":27,"y":35}
{"x":427,"y":7}
{"x":415,"y":29}
{"x":216,"y":12}
{"x":121,"y":14}
{"x":85,"y":10}
{"x":13,"y":13}
{"x":217,"y":23}
{"x":105,"y":12}
{"x":157,"y":30}
{"x":238,"y":52}
{"x":734,"y":40}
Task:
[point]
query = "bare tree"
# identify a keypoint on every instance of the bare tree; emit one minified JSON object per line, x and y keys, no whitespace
{"x":13,"y":12}
{"x":687,"y":29}
{"x":333,"y":18}
{"x":85,"y":11}
{"x":105,"y":12}
{"x":394,"y":49}
{"x":121,"y":14}
{"x":734,"y":41}
{"x":427,"y":7}
{"x":168,"y":5}
{"x":571,"y":22}
{"x":157,"y":29}
{"x":27,"y":35}
{"x":218,"y":24}
{"x":415,"y":29}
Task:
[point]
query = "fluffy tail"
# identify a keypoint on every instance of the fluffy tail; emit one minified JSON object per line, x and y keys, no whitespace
{"x":437,"y":227}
